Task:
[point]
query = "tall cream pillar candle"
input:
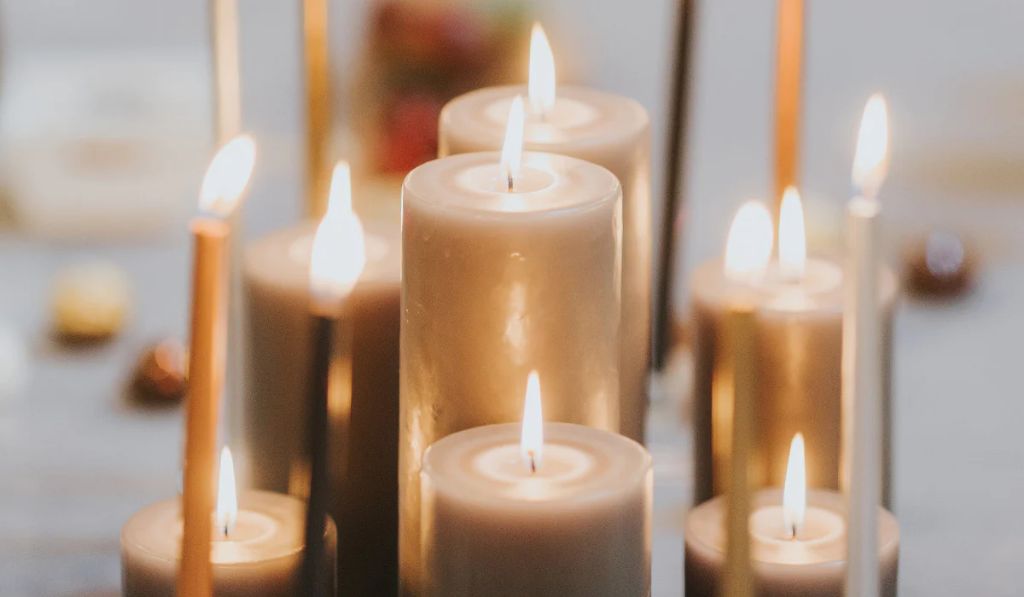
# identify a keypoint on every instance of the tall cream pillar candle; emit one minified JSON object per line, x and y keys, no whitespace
{"x":605,"y":129}
{"x":496,"y":283}
{"x":578,"y":525}
{"x":862,"y":365}
{"x":364,"y":424}
{"x":798,"y":318}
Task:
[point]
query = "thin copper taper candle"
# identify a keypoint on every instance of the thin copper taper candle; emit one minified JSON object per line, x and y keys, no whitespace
{"x":225,"y":180}
{"x":318,"y":105}
{"x":789,"y":40}
{"x":738,"y":576}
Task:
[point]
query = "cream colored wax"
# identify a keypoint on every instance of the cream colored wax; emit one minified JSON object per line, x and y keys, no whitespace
{"x":608,"y":130}
{"x":812,"y":564}
{"x":260,"y":556}
{"x":577,"y":526}
{"x":799,"y":346}
{"x":364,"y":424}
{"x":497,"y":283}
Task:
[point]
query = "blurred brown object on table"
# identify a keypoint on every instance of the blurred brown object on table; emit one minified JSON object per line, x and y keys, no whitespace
{"x":940,"y":265}
{"x":160,"y":376}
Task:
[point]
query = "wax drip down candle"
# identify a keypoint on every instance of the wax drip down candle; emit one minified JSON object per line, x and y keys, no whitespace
{"x":497,"y":283}
{"x":536,"y":509}
{"x":798,"y":303}
{"x":602,"y":128}
{"x":256,"y":544}
{"x":797,"y":541}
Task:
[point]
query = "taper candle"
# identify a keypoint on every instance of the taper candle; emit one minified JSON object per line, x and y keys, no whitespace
{"x":499,"y":279}
{"x":337,"y":260}
{"x":223,"y":184}
{"x":798,"y":303}
{"x":536,"y":509}
{"x":256,"y":545}
{"x":862,"y":351}
{"x":608,"y":130}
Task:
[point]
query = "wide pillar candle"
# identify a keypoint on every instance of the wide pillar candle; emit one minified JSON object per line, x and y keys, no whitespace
{"x":579,"y":525}
{"x":608,"y":130}
{"x":799,"y":348}
{"x":364,"y":422}
{"x":811,"y":564}
{"x":260,"y":556}
{"x":495,"y":284}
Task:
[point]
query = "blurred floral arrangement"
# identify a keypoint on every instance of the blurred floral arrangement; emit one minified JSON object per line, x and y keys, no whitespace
{"x":418,"y":56}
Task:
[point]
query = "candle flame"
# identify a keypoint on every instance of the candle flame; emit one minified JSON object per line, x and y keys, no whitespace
{"x":871,"y":160}
{"x":531,"y":443}
{"x":512,"y":148}
{"x":226,"y":513}
{"x":792,"y":236}
{"x":339,"y":252}
{"x":749,"y":246}
{"x":541,"y":84}
{"x":227,"y":176}
{"x":794,"y":492}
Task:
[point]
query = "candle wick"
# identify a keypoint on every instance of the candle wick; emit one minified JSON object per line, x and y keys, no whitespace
{"x":533,"y":464}
{"x":793,"y":535}
{"x":510,"y":182}
{"x":225,"y":530}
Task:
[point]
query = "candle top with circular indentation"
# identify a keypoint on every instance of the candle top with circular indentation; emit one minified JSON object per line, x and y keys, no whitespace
{"x":475,"y":183}
{"x":269,"y":526}
{"x":820,"y":540}
{"x":579,"y":465}
{"x":579,"y":117}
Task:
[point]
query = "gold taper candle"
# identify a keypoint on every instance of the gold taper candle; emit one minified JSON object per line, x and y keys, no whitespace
{"x":223,"y":184}
{"x":318,"y":105}
{"x":789,"y":44}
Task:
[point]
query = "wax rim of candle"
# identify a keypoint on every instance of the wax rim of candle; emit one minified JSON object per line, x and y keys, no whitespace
{"x":575,"y":185}
{"x":273,"y":258}
{"x":776,"y":296}
{"x":817,"y":498}
{"x":274,"y":507}
{"x":476,"y":441}
{"x":616,"y":118}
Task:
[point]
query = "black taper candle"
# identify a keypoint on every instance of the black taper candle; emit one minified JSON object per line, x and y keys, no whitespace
{"x":314,"y":581}
{"x":675,"y":152}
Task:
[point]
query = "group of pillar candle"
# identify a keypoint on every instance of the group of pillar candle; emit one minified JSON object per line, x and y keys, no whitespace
{"x":487,"y":392}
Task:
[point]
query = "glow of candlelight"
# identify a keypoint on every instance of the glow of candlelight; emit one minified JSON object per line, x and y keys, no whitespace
{"x":794,"y":492}
{"x":531,"y":443}
{"x":871,"y":160}
{"x":512,"y":148}
{"x":749,"y":246}
{"x":226,"y":513}
{"x":339,"y":252}
{"x":792,"y":236}
{"x":227,"y":176}
{"x":541,"y":84}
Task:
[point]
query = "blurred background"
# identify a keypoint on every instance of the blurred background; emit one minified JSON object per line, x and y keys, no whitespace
{"x":105,"y":130}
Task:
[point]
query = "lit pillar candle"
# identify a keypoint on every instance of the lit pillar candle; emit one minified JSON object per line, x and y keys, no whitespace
{"x":797,"y":541}
{"x":364,"y":423}
{"x":798,"y":303}
{"x":510,"y":263}
{"x":554,"y":510}
{"x":256,"y":545}
{"x":605,"y":129}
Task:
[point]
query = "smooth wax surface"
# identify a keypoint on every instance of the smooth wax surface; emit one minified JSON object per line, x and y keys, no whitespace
{"x":811,"y":565}
{"x":496,"y":284}
{"x":605,"y":129}
{"x":799,"y":349}
{"x":364,"y":423}
{"x":260,"y":557}
{"x":578,"y":526}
